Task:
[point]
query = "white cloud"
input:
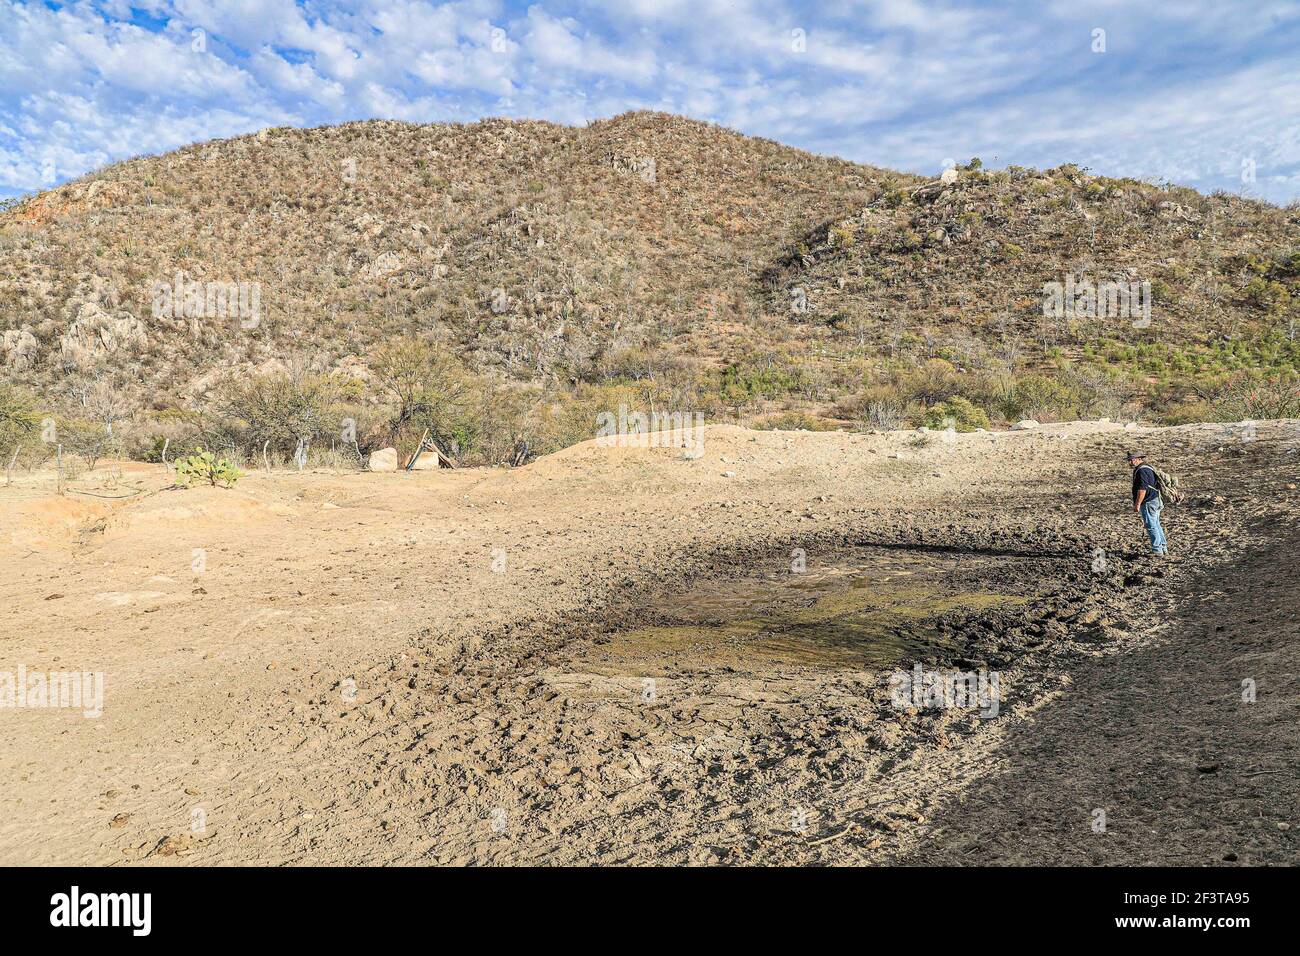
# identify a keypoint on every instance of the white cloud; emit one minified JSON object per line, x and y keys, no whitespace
{"x":1183,"y":89}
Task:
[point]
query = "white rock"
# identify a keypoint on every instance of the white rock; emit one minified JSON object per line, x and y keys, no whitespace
{"x":385,"y":459}
{"x":428,"y":461}
{"x":1024,"y":425}
{"x":95,"y":333}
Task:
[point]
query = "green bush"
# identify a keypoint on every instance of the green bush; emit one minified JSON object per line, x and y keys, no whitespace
{"x":1187,"y":412}
{"x":1038,"y":396}
{"x":1266,"y":295}
{"x":88,"y":440}
{"x":768,"y":376}
{"x":794,"y":421}
{"x":1273,"y":397}
{"x":957,"y":412}
{"x":935,"y":381}
{"x":429,"y":390}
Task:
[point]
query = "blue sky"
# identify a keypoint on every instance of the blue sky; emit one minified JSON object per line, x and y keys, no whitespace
{"x":1199,"y":92}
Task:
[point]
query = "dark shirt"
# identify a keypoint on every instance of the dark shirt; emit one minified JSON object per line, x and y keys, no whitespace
{"x":1144,"y":476}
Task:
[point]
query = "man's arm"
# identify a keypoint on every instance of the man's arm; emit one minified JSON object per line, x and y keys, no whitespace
{"x":1137,"y":501}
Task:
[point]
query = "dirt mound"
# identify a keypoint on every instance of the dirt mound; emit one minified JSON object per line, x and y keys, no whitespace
{"x":51,"y":520}
{"x":197,"y":509}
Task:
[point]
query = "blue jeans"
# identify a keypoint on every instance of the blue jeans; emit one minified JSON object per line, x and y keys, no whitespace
{"x":1151,"y":518}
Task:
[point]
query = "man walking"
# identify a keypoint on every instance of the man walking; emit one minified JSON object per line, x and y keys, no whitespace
{"x":1147,"y":501}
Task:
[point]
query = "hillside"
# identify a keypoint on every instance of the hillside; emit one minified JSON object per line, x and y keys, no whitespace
{"x":642,"y":248}
{"x":969,"y":257}
{"x":361,"y":231}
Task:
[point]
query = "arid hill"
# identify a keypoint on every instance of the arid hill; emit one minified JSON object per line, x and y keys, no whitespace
{"x":565,"y":258}
{"x":533,"y":247}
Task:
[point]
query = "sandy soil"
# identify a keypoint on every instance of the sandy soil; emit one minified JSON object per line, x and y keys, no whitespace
{"x":434,"y":667}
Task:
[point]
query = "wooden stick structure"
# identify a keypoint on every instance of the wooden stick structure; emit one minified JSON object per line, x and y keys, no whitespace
{"x":428,"y":444}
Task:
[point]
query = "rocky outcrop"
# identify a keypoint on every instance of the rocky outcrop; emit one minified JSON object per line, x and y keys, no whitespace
{"x":95,"y":333}
{"x":20,"y":348}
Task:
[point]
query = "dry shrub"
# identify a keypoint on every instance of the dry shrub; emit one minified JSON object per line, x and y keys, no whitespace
{"x":281,"y":411}
{"x":20,"y":420}
{"x":1249,"y":397}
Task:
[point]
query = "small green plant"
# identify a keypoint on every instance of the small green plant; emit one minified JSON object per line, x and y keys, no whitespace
{"x":841,"y":235}
{"x":205,"y":466}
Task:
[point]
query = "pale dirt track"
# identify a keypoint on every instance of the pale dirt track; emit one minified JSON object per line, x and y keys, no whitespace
{"x":482,"y":731}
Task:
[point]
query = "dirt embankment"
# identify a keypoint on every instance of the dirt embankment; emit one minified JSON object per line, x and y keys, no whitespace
{"x":428,"y":668}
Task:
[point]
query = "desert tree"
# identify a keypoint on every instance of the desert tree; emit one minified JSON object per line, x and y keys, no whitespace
{"x":429,"y":388}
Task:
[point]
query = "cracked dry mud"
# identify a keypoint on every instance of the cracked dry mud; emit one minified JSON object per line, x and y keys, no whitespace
{"x":348,"y":680}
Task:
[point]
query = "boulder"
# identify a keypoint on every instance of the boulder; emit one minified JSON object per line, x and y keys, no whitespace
{"x":428,"y":461}
{"x":385,"y":459}
{"x":1024,"y":425}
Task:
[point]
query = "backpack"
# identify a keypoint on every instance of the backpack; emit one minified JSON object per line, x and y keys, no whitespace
{"x":1170,"y":487}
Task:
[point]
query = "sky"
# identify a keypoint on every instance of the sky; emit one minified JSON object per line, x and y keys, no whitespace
{"x":1204,"y":93}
